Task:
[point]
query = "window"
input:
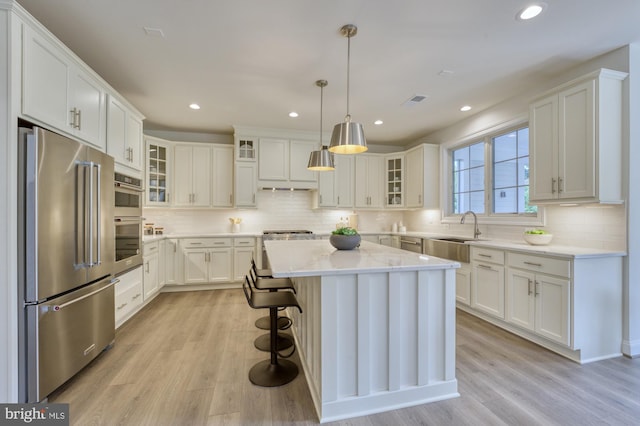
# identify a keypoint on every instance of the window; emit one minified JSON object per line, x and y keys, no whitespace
{"x":490,"y":176}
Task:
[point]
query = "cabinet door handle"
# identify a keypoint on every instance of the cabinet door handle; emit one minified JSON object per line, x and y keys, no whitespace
{"x":193,"y":243}
{"x":553,"y":185}
{"x":533,"y":264}
{"x":73,"y":118}
{"x":168,"y":197}
{"x":485,"y":255}
{"x":419,"y":199}
{"x":146,"y":267}
{"x":320,"y":198}
{"x":338,"y":200}
{"x":254,"y":197}
{"x":560,"y":185}
{"x":485,"y":267}
{"x":79,"y":122}
{"x":231,"y":199}
{"x":537,"y":285}
{"x":136,"y":296}
{"x":529,"y":287}
{"x":121,"y":306}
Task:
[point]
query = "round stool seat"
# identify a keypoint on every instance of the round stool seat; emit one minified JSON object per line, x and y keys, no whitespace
{"x":268,"y":374}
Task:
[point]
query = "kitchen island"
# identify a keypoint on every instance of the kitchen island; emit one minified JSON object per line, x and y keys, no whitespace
{"x":377,"y":330}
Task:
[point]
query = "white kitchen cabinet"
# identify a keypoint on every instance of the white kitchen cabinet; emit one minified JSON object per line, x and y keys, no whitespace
{"x":335,"y":188}
{"x":394,"y":181}
{"x":124,"y":137}
{"x":150,"y":264}
{"x":158,"y":176}
{"x":487,"y":281}
{"x":59,"y":93}
{"x":422,"y":177}
{"x":539,"y":301}
{"x":207,"y":260}
{"x":128,"y":295}
{"x":245,"y":184}
{"x":389,"y":240}
{"x":575,"y":141}
{"x":222,"y":161}
{"x":162,"y":270}
{"x":192,"y":175}
{"x":463,"y":284}
{"x":173,"y":262}
{"x":246,"y":148}
{"x":282,"y":163}
{"x":369,"y":181}
{"x":244,"y":249}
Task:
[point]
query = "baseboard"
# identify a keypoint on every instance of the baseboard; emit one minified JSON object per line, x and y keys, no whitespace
{"x":631,"y":349}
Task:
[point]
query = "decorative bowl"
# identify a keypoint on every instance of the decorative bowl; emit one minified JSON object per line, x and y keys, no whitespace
{"x":537,"y":239}
{"x":345,"y":242}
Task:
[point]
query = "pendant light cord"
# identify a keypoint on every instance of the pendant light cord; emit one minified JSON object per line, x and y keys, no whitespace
{"x":321,"y":98}
{"x":348,"y":70}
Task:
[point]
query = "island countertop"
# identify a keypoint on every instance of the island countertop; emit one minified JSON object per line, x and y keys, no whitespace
{"x":303,"y":258}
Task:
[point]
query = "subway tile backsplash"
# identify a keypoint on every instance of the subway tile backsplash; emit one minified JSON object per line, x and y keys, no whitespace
{"x":583,"y":226}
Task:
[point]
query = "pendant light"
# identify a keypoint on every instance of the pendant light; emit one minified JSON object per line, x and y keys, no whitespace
{"x":348,"y":137}
{"x":321,"y":161}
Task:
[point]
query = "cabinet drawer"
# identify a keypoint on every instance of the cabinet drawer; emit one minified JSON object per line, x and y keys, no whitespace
{"x":150,"y":248}
{"x":244,"y":242}
{"x":205,"y":242}
{"x":545,"y":265}
{"x":481,"y":254}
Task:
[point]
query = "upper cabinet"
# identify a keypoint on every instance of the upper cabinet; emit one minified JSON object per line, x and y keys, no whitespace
{"x":282,"y":163}
{"x":246,"y":149}
{"x":335,"y":189}
{"x":395,"y":180}
{"x":222,"y":170}
{"x":158,"y":165}
{"x":576,"y":141}
{"x":369,"y":172}
{"x":192,"y":175}
{"x":422,"y":177}
{"x":124,"y":137}
{"x":59,"y":92}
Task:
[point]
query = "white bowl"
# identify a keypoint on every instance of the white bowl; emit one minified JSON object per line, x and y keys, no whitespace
{"x":537,"y":239}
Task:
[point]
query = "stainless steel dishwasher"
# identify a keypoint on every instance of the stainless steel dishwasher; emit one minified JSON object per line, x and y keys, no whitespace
{"x":413,"y":244}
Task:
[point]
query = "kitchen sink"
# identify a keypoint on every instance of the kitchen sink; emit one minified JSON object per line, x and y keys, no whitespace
{"x":451,"y":248}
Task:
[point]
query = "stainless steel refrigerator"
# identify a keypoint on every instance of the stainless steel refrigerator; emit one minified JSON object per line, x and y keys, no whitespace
{"x":66,"y":255}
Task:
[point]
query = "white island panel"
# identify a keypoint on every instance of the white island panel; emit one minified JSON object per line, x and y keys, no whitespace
{"x":375,"y":335}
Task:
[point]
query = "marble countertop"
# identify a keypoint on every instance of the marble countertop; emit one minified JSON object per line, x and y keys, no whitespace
{"x":318,"y":257}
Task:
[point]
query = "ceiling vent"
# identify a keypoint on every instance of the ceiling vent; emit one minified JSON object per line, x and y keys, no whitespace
{"x":414,"y":100}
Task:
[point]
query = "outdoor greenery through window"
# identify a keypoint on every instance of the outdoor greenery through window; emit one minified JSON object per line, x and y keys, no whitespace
{"x":502,"y":188}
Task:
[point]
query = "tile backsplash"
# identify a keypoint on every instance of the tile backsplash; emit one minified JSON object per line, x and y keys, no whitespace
{"x":584,"y":226}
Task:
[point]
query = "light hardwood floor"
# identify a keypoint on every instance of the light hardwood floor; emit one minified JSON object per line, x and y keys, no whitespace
{"x":183,"y":360}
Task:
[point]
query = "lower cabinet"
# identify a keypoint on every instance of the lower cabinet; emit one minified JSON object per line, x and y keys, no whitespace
{"x":150,"y":264}
{"x":463,"y":284}
{"x":172,"y":262}
{"x":214,"y":260}
{"x":243,"y":251}
{"x":128,"y":295}
{"x":487,"y":281}
{"x":571,"y":305}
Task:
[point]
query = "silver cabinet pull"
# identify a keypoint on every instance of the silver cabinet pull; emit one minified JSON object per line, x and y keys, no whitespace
{"x":553,"y":185}
{"x":529,"y":287}
{"x":560,"y":185}
{"x":485,"y":255}
{"x":539,"y":265}
{"x":485,"y":267}
{"x":79,"y":123}
{"x":146,"y":267}
{"x":537,"y":291}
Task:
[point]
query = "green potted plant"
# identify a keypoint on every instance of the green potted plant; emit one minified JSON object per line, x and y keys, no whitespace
{"x":537,"y":237}
{"x":345,"y":238}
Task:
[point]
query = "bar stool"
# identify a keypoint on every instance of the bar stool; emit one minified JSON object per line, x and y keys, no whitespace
{"x":263,"y":280}
{"x":271,"y":372}
{"x":283,"y":341}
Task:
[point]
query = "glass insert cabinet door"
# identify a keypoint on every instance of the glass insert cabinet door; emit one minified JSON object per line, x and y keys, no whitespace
{"x":157,"y":167}
{"x":395,"y":182}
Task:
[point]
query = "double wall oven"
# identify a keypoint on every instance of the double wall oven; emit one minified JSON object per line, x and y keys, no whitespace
{"x":128,"y":196}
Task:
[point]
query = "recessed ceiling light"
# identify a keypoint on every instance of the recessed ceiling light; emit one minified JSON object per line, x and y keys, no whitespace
{"x":293,"y":114}
{"x":194,"y":106}
{"x":531,"y":11}
{"x":153,"y":32}
{"x":378,"y":122}
{"x":465,"y":108}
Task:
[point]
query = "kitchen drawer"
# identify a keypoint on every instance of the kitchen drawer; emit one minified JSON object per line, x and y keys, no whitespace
{"x":546,"y":265}
{"x":151,"y":248}
{"x":244,"y":242}
{"x":482,"y":254}
{"x":205,"y":242}
{"x":128,"y":294}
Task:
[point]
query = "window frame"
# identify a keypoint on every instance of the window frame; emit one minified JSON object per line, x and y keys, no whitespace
{"x":488,"y":217}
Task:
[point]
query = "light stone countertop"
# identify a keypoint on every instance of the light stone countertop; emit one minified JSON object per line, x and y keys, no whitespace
{"x":303,"y":258}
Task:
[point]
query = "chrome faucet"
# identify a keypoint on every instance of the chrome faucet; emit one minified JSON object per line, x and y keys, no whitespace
{"x":476,"y":231}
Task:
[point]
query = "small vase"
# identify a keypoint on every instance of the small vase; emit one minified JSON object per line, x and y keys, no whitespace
{"x":235,"y":228}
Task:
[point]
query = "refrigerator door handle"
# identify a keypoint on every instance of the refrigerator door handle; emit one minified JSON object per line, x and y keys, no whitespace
{"x":56,"y":308}
{"x":98,"y":218}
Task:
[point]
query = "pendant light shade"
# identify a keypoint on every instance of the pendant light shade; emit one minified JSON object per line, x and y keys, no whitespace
{"x":348,"y":137}
{"x":321,"y":161}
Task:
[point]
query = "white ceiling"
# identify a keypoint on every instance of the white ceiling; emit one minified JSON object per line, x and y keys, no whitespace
{"x":251,"y":62}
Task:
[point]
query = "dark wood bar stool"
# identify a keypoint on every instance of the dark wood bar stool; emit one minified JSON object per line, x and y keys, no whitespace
{"x":271,"y":372}
{"x":273,"y":285}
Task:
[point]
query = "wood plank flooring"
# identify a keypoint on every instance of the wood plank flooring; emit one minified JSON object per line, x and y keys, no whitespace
{"x":184,"y":359}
